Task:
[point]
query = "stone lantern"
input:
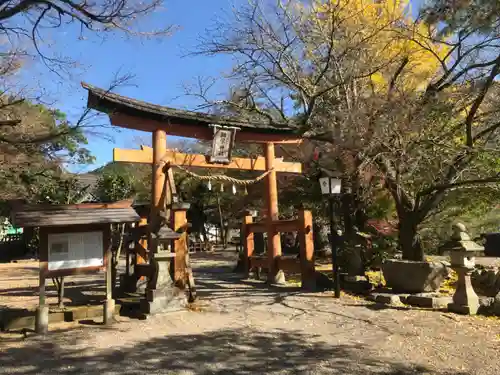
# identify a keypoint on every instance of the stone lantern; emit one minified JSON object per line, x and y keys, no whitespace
{"x":462,"y":252}
{"x":160,"y":291}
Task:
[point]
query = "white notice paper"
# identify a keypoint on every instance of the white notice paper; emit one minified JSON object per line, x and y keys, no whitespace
{"x":75,"y":250}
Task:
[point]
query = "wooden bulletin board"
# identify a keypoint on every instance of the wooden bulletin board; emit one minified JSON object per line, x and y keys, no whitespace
{"x":72,"y":250}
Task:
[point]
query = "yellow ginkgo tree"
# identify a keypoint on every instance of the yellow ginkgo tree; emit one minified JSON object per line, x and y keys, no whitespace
{"x":388,"y":92}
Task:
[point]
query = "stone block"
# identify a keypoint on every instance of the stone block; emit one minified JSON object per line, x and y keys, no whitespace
{"x":76,"y":314}
{"x":355,"y":279}
{"x":94,"y":312}
{"x":56,"y":317}
{"x":361,"y":287}
{"x":496,"y":305}
{"x":486,"y":281}
{"x":486,"y":305}
{"x":462,"y":309}
{"x":404,"y":276}
{"x":385,"y":298}
{"x":431,"y":301}
{"x":164,"y":300}
{"x":404,"y":297}
{"x":497,"y":282}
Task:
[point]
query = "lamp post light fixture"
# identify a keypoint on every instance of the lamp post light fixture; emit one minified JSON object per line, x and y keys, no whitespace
{"x":331,"y":187}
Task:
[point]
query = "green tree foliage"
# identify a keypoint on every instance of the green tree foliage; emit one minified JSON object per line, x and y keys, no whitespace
{"x":114,"y":187}
{"x":412,"y":102}
{"x":472,"y":15}
{"x":62,"y":190}
{"x":29,"y":167}
{"x":123,"y":181}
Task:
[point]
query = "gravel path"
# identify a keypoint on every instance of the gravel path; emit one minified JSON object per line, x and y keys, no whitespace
{"x":248,"y":328}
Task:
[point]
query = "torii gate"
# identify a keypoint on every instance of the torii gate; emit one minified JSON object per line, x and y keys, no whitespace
{"x":159,"y":120}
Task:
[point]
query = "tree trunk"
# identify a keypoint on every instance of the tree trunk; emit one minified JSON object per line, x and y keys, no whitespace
{"x":347,"y":211}
{"x":409,"y":240}
{"x":320,"y":238}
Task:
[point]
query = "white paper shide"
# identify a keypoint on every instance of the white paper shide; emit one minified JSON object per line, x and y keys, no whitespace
{"x":75,"y":250}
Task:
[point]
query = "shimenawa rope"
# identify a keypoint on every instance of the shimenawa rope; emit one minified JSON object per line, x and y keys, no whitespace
{"x":219,"y":177}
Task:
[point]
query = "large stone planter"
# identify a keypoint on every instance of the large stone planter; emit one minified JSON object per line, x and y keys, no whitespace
{"x":404,"y":276}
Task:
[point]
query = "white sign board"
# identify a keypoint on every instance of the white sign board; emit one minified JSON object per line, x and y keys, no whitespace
{"x":75,"y":250}
{"x":222,"y":145}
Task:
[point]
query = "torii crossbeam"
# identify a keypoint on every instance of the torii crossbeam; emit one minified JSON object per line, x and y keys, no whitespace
{"x":145,"y":155}
{"x":160,"y":121}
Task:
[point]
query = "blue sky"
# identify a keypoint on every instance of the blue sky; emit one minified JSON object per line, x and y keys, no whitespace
{"x":159,"y":67}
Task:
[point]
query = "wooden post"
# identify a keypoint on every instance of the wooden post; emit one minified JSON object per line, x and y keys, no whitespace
{"x":273,"y":238}
{"x":158,"y":183}
{"x":248,"y":244}
{"x":41,"y":287}
{"x":109,"y":302}
{"x":180,"y":245}
{"x":143,"y":241}
{"x":42,"y":311}
{"x":307,"y":268}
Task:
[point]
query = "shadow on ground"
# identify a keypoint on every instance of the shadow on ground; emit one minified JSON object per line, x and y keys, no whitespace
{"x":75,"y":293}
{"x":240,"y":351}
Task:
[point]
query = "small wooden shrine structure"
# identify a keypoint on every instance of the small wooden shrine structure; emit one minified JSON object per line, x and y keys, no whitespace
{"x":159,"y":120}
{"x":74,"y":239}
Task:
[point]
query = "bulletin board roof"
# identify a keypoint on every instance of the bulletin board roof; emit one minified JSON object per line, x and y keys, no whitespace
{"x":62,"y":216}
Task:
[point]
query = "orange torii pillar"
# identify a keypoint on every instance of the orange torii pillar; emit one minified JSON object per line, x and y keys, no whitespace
{"x":158,"y":183}
{"x":305,"y":233}
{"x":161,"y":192}
{"x":275,"y":275}
{"x":248,"y":244}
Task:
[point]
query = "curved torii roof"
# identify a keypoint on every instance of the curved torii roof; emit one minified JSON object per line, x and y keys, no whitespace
{"x":135,"y":114}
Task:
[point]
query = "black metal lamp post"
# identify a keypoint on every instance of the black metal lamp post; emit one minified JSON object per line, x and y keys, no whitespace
{"x":331,"y":187}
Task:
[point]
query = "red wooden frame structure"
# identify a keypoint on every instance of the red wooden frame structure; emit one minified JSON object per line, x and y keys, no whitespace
{"x":159,"y":120}
{"x":303,"y":225}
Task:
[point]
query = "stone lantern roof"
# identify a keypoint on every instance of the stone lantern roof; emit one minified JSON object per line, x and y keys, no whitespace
{"x":461,"y":241}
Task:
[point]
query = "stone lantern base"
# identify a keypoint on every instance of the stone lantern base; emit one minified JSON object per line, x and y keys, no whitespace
{"x":465,"y":299}
{"x":161,"y":294}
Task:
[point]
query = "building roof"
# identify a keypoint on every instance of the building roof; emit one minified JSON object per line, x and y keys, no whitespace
{"x":108,"y":102}
{"x":86,"y":179}
{"x":62,"y":215}
{"x":383,"y":227}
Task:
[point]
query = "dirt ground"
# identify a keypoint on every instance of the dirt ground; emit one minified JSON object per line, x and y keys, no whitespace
{"x":245,"y":327}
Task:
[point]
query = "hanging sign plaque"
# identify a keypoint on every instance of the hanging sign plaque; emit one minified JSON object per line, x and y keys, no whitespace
{"x":222,"y":144}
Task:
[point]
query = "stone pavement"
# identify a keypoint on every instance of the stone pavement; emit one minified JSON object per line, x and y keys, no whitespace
{"x":243,"y":327}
